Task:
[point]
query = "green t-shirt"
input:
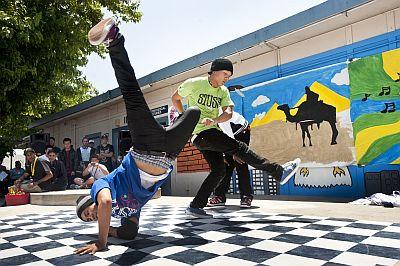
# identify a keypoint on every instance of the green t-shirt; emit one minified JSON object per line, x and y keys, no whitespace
{"x":200,"y":93}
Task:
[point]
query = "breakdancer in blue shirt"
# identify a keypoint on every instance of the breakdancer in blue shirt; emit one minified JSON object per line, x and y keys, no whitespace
{"x":148,"y":164}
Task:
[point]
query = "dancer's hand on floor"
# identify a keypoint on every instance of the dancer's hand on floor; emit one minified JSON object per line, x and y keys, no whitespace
{"x":90,"y":248}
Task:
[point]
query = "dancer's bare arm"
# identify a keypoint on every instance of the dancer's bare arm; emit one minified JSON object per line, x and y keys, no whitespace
{"x":104,"y":217}
{"x":177,"y":101}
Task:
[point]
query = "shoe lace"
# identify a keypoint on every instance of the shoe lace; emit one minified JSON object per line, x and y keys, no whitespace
{"x":216,"y":199}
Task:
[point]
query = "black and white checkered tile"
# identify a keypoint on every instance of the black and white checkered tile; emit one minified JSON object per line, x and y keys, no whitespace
{"x":234,"y":237}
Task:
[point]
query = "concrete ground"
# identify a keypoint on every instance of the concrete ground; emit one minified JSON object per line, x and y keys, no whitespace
{"x":321,"y":209}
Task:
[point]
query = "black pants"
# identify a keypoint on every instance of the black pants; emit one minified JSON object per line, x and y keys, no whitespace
{"x":146,"y":133}
{"x":213,"y":143}
{"x":242,"y":171}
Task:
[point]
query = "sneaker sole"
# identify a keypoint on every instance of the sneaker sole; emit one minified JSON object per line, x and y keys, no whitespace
{"x":284,"y":181}
{"x":97,"y":33}
{"x":198,"y":215}
{"x":215,"y":205}
{"x":245,"y":206}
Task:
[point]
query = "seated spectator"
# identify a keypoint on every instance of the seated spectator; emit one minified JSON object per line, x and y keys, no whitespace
{"x":39,"y":173}
{"x":94,"y":170}
{"x":16,"y":172}
{"x":5,"y":180}
{"x":53,"y":145}
{"x":60,"y":180}
{"x":84,"y":153}
{"x":45,"y":157}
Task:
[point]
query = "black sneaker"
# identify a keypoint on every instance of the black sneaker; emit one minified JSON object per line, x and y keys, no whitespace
{"x":103,"y":32}
{"x":245,"y":202}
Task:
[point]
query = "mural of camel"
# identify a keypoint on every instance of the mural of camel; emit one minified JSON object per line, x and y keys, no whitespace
{"x":312,"y":112}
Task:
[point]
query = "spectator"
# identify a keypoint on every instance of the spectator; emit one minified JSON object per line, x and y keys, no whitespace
{"x":68,"y":157}
{"x":5,"y":180}
{"x":94,"y":170}
{"x":106,"y":152}
{"x":39,"y":173}
{"x":45,"y":157}
{"x":60,"y":180}
{"x":84,"y":153}
{"x":53,"y":145}
{"x":16,"y":172}
{"x":91,"y":144}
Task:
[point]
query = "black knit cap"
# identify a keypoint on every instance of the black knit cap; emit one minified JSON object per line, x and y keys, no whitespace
{"x":82,"y":203}
{"x":221,"y":64}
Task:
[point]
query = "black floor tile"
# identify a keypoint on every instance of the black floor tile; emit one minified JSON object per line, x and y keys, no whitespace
{"x":314,"y":252}
{"x":296,"y":239}
{"x":191,"y":256}
{"x":345,"y":237}
{"x":131,"y":258}
{"x":241,"y":240}
{"x":43,"y":246}
{"x":18,"y":260}
{"x":252,"y":254}
{"x":393,"y":253}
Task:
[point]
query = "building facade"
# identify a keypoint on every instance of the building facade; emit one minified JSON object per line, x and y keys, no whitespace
{"x":324,"y":39}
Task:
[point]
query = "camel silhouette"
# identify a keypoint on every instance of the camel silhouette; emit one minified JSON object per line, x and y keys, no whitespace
{"x":312,"y":112}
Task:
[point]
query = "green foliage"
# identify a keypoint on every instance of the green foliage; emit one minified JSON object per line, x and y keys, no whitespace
{"x":43,"y":44}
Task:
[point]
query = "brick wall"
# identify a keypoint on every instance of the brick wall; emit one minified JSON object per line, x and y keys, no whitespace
{"x":191,"y":160}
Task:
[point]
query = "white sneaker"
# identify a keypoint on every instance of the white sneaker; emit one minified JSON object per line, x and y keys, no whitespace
{"x":289,"y":169}
{"x":103,"y":32}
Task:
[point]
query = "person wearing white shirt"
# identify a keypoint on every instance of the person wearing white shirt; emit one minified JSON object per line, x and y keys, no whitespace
{"x":94,"y":170}
{"x":44,"y":156}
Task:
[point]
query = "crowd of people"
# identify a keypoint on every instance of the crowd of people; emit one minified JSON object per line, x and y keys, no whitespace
{"x":60,"y":169}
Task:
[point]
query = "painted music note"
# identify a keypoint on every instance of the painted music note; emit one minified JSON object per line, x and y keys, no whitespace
{"x":397,"y":80}
{"x":390,"y":108}
{"x":366,"y":97}
{"x":385,"y":90}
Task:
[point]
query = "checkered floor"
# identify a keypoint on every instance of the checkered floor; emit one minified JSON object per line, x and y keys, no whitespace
{"x":234,"y":237}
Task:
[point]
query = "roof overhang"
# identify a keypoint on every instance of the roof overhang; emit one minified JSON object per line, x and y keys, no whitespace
{"x":327,"y":16}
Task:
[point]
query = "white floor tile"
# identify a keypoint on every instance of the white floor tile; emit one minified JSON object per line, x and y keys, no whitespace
{"x":31,"y":241}
{"x":215,"y":236}
{"x":11,"y":252}
{"x":351,"y":258}
{"x":308,"y":232}
{"x":52,"y":232}
{"x":275,"y":246}
{"x":14,"y":233}
{"x":260,"y":234}
{"x":395,"y":229}
{"x":162,"y":262}
{"x":382,"y":241}
{"x":169,"y":251}
{"x":287,"y":259}
{"x":54,"y":252}
{"x":219,"y":248}
{"x":223,"y":260}
{"x":356,"y":231}
{"x":331,"y":244}
{"x":333,"y":223}
{"x":113,"y":250}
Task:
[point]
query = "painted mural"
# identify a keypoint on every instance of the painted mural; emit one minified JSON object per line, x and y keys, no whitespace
{"x":305,"y":115}
{"x":342,"y":120}
{"x":375,"y":103}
